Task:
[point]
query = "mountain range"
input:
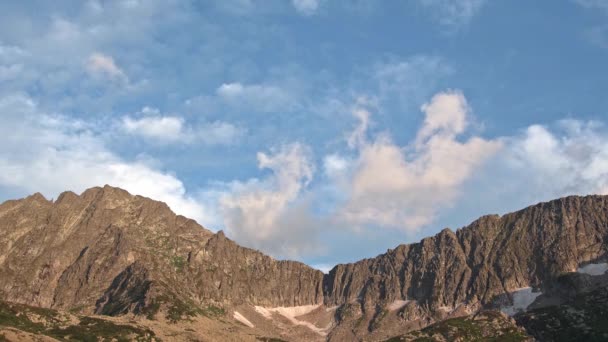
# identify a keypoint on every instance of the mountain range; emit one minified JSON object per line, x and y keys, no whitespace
{"x":107,"y":262}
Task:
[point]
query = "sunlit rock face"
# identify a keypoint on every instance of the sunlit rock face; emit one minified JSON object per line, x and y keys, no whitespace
{"x":478,"y":263}
{"x":109,"y":249}
{"x":109,"y":252}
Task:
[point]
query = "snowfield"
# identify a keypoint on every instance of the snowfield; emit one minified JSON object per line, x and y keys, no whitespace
{"x":593,"y":269}
{"x":291,"y":313}
{"x":522,"y":298}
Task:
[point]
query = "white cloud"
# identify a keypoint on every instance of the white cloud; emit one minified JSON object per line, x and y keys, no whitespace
{"x":51,"y":154}
{"x":167,"y":128}
{"x":335,"y":165}
{"x":270,"y":213}
{"x":409,"y":80}
{"x":451,"y":15}
{"x":10,"y":72}
{"x":100,"y":64}
{"x":357,"y":137}
{"x":325,"y":268}
{"x":219,"y":132}
{"x":570,"y":159}
{"x":152,"y":125}
{"x":11,"y":52}
{"x":600,"y":4}
{"x":306,"y":7}
{"x":597,"y":34}
{"x":267,"y":98}
{"x":404,"y":187}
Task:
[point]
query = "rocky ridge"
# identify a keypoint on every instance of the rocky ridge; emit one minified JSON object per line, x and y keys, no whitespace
{"x":109,"y":252}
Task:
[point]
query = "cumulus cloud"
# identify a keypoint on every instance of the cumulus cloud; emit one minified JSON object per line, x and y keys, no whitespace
{"x":151,"y":124}
{"x":335,"y":165}
{"x":167,"y":128}
{"x":100,"y":64}
{"x":306,"y":7}
{"x":267,"y":98}
{"x":451,"y":15}
{"x":570,"y":158}
{"x":47,"y":153}
{"x":403,"y":187}
{"x":272,"y":213}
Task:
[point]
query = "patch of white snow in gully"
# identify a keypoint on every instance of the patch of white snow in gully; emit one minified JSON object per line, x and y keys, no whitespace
{"x":242,"y":319}
{"x":522,"y":298}
{"x":593,"y":269}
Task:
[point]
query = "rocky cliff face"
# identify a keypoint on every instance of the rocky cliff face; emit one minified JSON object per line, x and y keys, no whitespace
{"x":108,"y":252}
{"x":479,"y":263}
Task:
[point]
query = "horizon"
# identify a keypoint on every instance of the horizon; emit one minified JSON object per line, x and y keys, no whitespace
{"x":312,"y":130}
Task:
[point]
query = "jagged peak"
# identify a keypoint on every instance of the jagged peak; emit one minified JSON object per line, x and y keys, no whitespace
{"x":38,"y":197}
{"x":66,"y":196}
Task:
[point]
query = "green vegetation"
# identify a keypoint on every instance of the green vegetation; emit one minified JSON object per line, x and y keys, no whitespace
{"x":50,"y":323}
{"x":178,"y":310}
{"x":213,"y":311}
{"x":76,"y":309}
{"x":378,"y":319}
{"x":585,"y":318}
{"x":16,"y":316}
{"x":178,"y":262}
{"x":346,"y":311}
{"x":487,"y":327}
{"x":269,"y":339}
{"x":152,"y":309}
{"x":94,"y":329}
{"x":162,"y":246}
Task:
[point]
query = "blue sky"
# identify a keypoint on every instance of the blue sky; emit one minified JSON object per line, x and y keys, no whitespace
{"x":320,"y":130}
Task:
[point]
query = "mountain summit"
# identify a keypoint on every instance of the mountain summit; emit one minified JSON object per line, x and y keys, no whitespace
{"x":107,"y":252}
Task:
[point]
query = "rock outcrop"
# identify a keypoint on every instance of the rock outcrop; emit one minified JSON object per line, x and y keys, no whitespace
{"x":109,"y":252}
{"x":478,"y":263}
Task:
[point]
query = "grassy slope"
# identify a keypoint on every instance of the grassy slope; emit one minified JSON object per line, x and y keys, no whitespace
{"x":67,"y":327}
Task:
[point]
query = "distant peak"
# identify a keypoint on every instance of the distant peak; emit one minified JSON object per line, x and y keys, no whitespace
{"x":37,"y":197}
{"x":66,"y":196}
{"x":446,"y":231}
{"x":107,"y":191}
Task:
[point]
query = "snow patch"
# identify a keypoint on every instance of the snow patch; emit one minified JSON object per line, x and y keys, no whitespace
{"x":291,"y":313}
{"x":242,"y":319}
{"x":593,"y":269}
{"x":263,"y":311}
{"x":522,"y":298}
{"x":294,"y":311}
{"x":397,"y":304}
